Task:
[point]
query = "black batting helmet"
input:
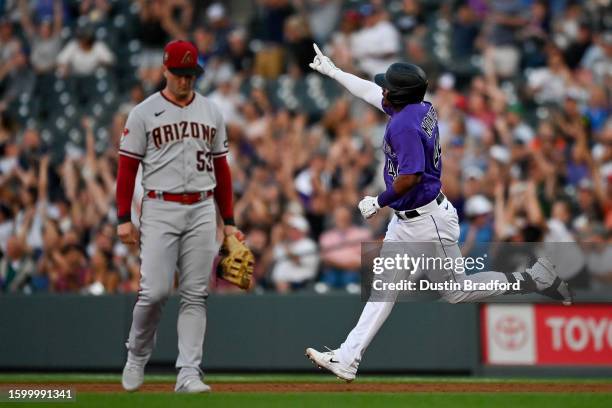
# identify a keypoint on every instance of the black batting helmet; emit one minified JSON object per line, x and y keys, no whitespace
{"x":405,"y":82}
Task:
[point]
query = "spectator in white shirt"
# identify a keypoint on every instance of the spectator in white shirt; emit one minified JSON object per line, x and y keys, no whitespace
{"x":377,"y":44}
{"x":599,"y":257}
{"x":81,"y":57}
{"x":295,"y":255}
{"x":44,"y":38}
{"x":549,"y":84}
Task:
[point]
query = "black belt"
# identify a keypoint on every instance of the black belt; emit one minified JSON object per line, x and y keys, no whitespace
{"x":404,"y":215}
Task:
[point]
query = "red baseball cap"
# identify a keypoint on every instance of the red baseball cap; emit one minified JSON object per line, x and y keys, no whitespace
{"x":181,"y":58}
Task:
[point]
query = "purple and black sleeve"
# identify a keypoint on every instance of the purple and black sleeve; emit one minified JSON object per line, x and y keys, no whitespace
{"x":410,"y":160}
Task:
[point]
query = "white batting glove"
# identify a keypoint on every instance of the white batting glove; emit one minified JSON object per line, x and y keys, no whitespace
{"x":323,"y":64}
{"x":369,"y":206}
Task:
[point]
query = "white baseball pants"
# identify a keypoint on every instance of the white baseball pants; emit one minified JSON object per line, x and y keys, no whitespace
{"x":437,"y":224}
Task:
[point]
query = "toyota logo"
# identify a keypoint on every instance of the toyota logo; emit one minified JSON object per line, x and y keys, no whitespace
{"x":510,"y":332}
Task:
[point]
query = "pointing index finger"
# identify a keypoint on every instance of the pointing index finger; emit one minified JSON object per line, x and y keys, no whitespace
{"x":317,"y":50}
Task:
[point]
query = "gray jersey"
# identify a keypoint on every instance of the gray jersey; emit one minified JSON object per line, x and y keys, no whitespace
{"x":176,"y":145}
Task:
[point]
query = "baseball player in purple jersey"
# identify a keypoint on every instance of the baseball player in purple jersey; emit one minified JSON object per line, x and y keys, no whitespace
{"x":413,"y":166}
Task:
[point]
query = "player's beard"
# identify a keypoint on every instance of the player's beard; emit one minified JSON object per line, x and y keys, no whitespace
{"x":385,"y":101}
{"x":181,"y":89}
{"x":182,"y":93}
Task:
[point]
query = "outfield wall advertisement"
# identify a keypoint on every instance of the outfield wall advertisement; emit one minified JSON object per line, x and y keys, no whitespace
{"x":543,"y":334}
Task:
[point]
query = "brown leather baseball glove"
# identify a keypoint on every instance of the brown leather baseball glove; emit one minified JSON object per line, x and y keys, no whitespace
{"x":236,"y":264}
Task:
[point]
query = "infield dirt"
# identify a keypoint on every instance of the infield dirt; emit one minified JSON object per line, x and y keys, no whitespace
{"x":342,"y":387}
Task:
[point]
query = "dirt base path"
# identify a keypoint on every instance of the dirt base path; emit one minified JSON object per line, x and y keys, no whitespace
{"x":339,"y":387}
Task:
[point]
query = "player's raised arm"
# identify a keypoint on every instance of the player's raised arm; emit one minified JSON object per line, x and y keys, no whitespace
{"x":366,"y":90}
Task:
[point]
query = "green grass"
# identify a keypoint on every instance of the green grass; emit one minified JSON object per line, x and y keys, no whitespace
{"x":338,"y":400}
{"x":316,"y":400}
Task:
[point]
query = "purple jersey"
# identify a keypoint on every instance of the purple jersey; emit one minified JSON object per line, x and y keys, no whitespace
{"x":412,"y":146}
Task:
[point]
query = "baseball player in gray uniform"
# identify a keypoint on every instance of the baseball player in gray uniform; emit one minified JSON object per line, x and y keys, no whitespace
{"x":413,"y":167}
{"x":178,"y":136}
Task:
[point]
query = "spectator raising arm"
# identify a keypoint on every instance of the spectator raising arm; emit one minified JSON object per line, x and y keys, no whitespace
{"x":58,"y":17}
{"x":90,"y":172}
{"x":26,"y":21}
{"x":177,"y":29}
{"x":43,"y":185}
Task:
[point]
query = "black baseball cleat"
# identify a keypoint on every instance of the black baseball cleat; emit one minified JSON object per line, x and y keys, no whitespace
{"x":548,"y":283}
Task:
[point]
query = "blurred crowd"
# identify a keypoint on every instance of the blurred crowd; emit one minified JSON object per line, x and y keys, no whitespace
{"x":522,"y":89}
